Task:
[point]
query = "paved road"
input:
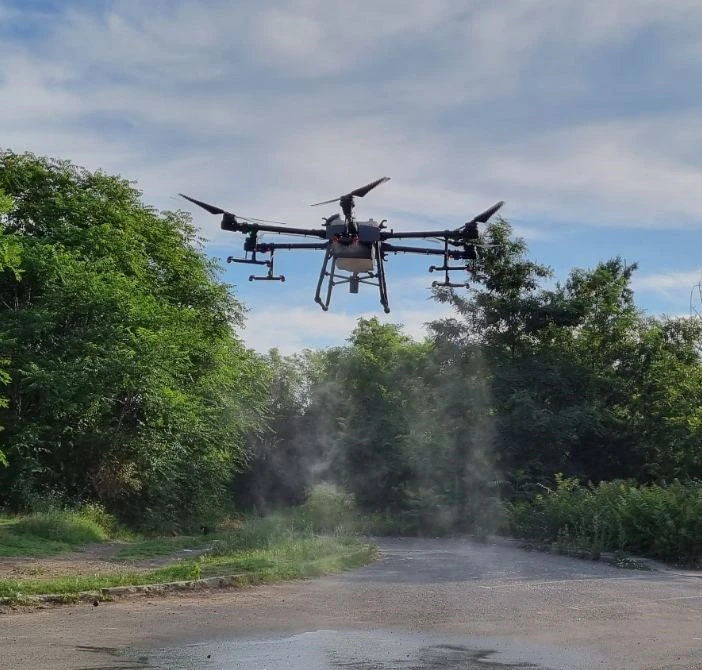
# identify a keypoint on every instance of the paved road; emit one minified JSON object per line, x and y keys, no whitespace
{"x":425,"y":604}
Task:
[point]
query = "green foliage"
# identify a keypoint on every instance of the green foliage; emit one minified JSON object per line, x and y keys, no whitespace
{"x":328,"y":509}
{"x":282,"y":457}
{"x":10,"y":261}
{"x":659,"y":521}
{"x":128,"y":385}
{"x":368,"y":392}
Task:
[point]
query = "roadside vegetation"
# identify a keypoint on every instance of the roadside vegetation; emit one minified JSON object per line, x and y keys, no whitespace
{"x":126,"y":391}
{"x":663,"y":522}
{"x":56,"y":530}
{"x":289,"y":545}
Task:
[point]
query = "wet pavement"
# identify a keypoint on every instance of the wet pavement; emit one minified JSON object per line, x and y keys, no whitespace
{"x":426,"y":604}
{"x":366,"y":650}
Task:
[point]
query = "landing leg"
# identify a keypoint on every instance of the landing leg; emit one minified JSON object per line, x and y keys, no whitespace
{"x":330,"y":284}
{"x":382,"y":286}
{"x":322,"y":274}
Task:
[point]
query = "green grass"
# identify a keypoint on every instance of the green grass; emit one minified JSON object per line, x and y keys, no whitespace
{"x":12,"y":544}
{"x":161,"y":546}
{"x":288,"y":555}
{"x":262,"y":550}
{"x":16,"y":589}
{"x":54,"y":531}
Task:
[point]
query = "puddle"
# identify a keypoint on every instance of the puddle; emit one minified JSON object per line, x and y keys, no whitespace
{"x":437,"y":657}
{"x":367,"y":650}
{"x":113,"y":659}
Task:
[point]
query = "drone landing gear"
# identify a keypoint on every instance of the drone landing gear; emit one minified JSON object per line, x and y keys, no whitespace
{"x":447,"y":282}
{"x":269,"y":276}
{"x":354,"y":281}
{"x":446,"y":268}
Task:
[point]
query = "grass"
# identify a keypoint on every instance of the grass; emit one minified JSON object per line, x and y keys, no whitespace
{"x":47,"y":533}
{"x":13,"y":544}
{"x":16,"y":589}
{"x":161,"y":546}
{"x":288,"y":555}
{"x":271,"y":549}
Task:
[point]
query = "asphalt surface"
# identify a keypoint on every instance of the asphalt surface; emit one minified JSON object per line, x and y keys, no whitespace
{"x":429,"y":604}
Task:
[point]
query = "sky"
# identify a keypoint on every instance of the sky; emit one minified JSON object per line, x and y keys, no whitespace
{"x":584,"y":117}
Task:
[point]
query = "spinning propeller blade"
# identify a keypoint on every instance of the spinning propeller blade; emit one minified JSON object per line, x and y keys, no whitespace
{"x":208,"y":208}
{"x":326,"y":202}
{"x":212,"y":209}
{"x":360,"y":192}
{"x":251,"y":218}
{"x":484,"y":216}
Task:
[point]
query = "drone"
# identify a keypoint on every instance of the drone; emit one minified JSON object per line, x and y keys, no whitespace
{"x":355,"y":252}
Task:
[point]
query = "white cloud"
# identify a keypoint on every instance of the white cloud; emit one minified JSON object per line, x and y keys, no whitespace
{"x":183,"y":77}
{"x":317,"y":37}
{"x":668,"y":284}
{"x":263,"y":108}
{"x":607,"y":172}
{"x":293,"y":328}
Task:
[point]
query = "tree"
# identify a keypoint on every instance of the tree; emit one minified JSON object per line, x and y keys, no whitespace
{"x":375,"y":378}
{"x":10,"y":262}
{"x":663,"y":377}
{"x":129,"y":384}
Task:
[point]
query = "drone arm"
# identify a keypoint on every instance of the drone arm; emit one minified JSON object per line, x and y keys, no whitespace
{"x":457,"y":234}
{"x":416,"y":234}
{"x":266,"y":247}
{"x":246,"y":227}
{"x":427,"y":251}
{"x":398,"y":249}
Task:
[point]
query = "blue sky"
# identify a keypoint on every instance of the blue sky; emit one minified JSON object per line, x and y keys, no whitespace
{"x":583,"y":116}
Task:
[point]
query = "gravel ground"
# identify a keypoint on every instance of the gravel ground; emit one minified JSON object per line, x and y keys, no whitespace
{"x":423,"y":604}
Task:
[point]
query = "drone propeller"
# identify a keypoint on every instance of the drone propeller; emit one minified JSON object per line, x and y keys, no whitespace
{"x":213,"y":209}
{"x":254,"y":220}
{"x":360,"y":192}
{"x":483,"y":217}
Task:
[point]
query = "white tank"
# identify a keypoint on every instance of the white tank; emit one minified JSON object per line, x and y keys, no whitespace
{"x":355,"y":265}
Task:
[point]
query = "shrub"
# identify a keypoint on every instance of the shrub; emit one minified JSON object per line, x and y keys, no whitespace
{"x":329,"y":509}
{"x":659,"y":521}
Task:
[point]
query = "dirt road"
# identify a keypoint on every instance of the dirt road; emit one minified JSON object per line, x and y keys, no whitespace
{"x":424,"y":604}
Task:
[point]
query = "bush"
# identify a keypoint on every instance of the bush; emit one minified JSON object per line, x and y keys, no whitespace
{"x":659,"y":521}
{"x":329,"y":509}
